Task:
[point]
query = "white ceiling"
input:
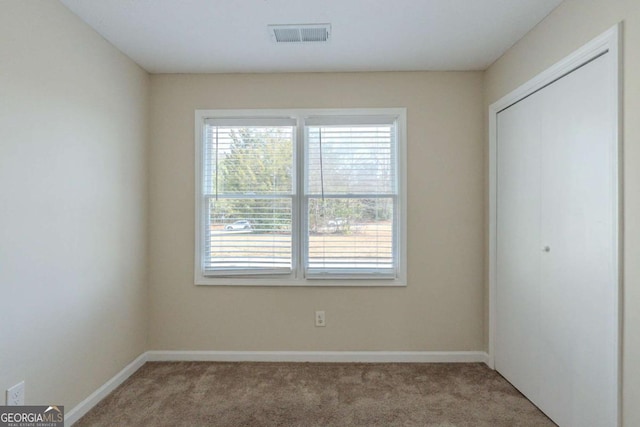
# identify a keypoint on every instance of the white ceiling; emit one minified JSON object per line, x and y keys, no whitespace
{"x":224,"y":36}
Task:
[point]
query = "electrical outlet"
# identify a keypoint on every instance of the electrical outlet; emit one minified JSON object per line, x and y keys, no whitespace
{"x":15,"y":395}
{"x":320,"y":320}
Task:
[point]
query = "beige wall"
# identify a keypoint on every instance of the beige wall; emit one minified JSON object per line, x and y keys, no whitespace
{"x":73,"y":131}
{"x":440,"y":309}
{"x":570,"y":26}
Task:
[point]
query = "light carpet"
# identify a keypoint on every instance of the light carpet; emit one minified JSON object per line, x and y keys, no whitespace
{"x":314,"y":394}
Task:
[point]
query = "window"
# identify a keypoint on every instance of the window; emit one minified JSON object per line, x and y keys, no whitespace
{"x":300,"y":197}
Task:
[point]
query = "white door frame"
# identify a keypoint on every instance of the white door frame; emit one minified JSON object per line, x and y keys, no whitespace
{"x":609,"y":42}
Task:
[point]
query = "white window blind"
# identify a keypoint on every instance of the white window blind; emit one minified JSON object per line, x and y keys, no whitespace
{"x":248,"y":190}
{"x":351,"y":197}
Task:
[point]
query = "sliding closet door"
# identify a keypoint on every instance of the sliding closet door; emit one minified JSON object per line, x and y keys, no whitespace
{"x":556,"y":289}
{"x":518,"y":246}
{"x":578,"y":323}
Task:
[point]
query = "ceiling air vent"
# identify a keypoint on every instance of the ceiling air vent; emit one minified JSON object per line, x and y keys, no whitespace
{"x":304,"y":33}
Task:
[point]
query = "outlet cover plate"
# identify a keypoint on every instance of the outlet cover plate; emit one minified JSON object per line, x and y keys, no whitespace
{"x":320,"y":319}
{"x":15,"y":395}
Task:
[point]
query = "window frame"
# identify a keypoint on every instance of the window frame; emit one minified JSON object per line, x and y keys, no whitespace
{"x":299,"y":235}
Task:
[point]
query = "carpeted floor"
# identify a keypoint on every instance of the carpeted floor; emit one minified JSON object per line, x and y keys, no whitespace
{"x":314,"y":394}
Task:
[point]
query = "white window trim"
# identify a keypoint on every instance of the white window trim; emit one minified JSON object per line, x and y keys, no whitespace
{"x":296,"y":278}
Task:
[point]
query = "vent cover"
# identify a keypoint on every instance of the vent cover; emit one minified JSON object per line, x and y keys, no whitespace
{"x":304,"y":33}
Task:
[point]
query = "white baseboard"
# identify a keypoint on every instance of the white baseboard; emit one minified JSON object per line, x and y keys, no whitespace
{"x":87,"y":404}
{"x":321,"y":356}
{"x":271,"y":356}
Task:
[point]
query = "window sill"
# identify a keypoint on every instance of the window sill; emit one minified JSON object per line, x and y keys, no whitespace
{"x":274,"y":282}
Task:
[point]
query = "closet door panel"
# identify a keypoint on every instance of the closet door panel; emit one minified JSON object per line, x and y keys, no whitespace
{"x":577,"y":318}
{"x":518,"y":246}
